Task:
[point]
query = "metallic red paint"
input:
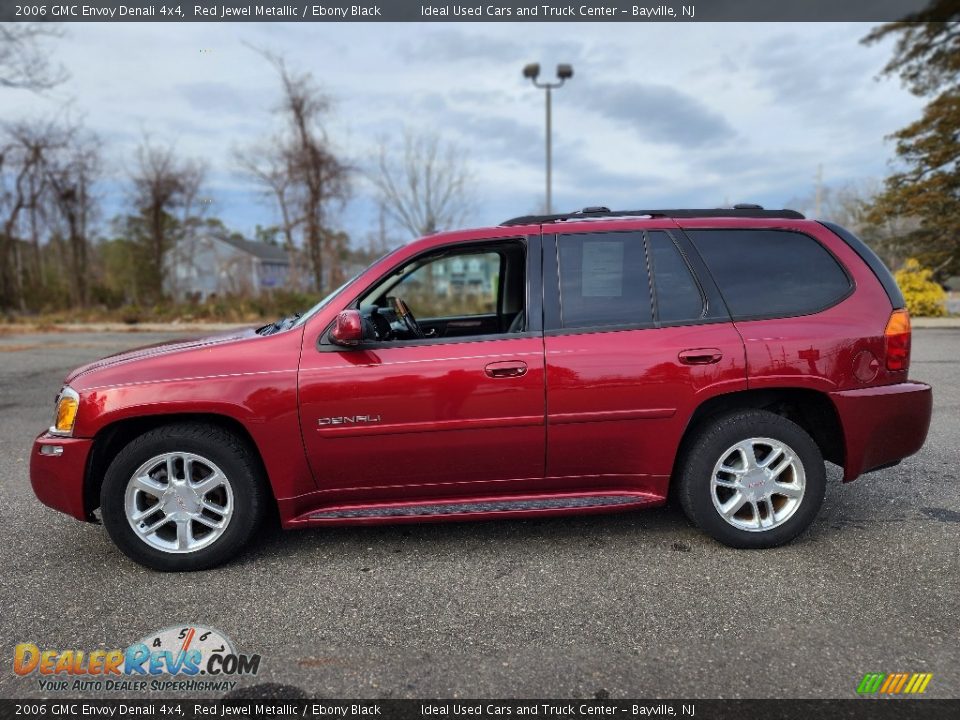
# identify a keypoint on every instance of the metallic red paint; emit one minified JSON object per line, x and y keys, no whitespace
{"x":619,"y":402}
{"x":530,"y":416}
{"x":882,"y":425}
{"x":57,"y":480}
{"x":446,"y":427}
{"x":244,"y":377}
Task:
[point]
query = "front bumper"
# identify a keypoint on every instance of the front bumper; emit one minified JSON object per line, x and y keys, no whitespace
{"x":57,"y":479}
{"x":882,"y":425}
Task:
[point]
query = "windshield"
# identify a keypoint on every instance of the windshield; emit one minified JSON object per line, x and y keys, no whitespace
{"x":323,"y":303}
{"x":320,"y":305}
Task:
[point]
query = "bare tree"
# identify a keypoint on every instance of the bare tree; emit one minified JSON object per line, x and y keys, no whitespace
{"x":71,"y":179}
{"x":299,"y":170}
{"x":850,"y":205}
{"x":27,"y":150}
{"x":426,"y":187}
{"x":24,"y":61}
{"x":267,"y":165}
{"x":165,"y":190}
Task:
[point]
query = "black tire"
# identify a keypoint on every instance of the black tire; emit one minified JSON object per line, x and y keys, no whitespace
{"x":712,"y":439}
{"x":231,"y":454}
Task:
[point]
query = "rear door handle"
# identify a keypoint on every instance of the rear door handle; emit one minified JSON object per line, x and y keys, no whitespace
{"x":700,"y":356}
{"x":506,"y":369}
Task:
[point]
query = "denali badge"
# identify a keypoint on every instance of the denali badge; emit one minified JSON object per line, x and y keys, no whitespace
{"x":348,"y":420}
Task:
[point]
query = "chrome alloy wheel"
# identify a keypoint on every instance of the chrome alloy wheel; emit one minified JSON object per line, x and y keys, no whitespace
{"x":758,"y":484}
{"x":179,"y":502}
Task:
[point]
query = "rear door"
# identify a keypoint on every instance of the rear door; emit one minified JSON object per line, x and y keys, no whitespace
{"x":627,"y":358}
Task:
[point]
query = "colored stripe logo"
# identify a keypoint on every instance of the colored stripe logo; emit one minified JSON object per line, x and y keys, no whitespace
{"x":894,"y":683}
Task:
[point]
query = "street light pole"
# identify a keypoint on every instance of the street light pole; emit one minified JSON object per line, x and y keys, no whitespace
{"x":564,"y":73}
{"x":549,"y":150}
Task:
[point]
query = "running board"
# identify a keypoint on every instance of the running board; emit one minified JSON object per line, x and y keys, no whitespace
{"x":550,"y":505}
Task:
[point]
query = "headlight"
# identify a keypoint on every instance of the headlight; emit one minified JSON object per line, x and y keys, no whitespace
{"x":66,"y":415}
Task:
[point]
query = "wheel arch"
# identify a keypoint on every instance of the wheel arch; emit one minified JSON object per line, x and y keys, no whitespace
{"x":112,"y":438}
{"x":812,"y":410}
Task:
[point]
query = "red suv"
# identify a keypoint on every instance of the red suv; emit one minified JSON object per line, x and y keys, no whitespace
{"x":576,"y":363}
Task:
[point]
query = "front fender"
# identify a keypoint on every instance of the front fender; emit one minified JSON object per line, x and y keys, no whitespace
{"x":264,"y":403}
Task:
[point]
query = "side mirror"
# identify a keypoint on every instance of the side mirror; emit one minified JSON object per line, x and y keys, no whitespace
{"x":348,"y":329}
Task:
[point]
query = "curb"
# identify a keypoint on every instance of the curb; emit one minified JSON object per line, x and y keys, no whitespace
{"x":946,"y":322}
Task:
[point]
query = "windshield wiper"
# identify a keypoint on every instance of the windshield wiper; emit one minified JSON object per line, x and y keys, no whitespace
{"x":283,"y":323}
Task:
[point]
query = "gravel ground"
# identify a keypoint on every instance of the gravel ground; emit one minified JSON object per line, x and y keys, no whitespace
{"x":631,"y":605}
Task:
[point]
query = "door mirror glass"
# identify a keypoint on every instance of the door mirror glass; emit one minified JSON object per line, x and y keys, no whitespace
{"x":348,"y":329}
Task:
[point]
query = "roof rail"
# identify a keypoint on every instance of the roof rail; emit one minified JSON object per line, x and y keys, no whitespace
{"x":742,"y":210}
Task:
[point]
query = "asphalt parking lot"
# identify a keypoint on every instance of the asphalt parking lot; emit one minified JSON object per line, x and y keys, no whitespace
{"x":630,"y":605}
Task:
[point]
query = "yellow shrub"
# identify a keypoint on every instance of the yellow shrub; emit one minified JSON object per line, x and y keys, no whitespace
{"x":924,"y":296}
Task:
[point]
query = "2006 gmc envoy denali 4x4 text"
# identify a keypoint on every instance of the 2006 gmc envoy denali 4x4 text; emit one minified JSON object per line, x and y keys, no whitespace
{"x":575,"y":363}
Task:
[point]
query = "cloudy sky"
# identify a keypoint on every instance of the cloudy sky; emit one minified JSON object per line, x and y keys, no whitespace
{"x":658,"y":115}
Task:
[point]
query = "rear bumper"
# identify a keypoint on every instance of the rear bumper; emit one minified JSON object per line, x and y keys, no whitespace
{"x":882,"y":425}
{"x":57,"y":479}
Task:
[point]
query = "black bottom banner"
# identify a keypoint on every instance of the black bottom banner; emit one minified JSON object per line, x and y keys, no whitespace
{"x":853,"y":709}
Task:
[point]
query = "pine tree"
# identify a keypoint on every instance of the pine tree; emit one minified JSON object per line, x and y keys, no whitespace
{"x":927,"y":59}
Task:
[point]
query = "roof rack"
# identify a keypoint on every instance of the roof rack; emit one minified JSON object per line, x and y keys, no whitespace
{"x":742,"y":210}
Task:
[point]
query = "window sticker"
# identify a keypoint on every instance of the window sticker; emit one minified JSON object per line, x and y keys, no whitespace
{"x":602,"y":269}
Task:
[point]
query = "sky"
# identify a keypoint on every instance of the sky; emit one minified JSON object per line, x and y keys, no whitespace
{"x":656,"y":115}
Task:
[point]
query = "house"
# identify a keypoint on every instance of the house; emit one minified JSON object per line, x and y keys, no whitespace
{"x":472,"y":277}
{"x":223,"y":264}
{"x":952,"y":286}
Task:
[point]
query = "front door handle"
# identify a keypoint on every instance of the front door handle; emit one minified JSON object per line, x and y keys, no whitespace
{"x":700,"y":356}
{"x":506,"y":369}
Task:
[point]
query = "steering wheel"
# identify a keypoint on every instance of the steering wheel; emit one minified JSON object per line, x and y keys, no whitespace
{"x":404,"y":315}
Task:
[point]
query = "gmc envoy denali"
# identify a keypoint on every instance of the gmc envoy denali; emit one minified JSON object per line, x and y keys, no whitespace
{"x":580,"y":363}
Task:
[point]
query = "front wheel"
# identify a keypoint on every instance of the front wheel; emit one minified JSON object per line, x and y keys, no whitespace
{"x":752,"y":479}
{"x":183,"y":497}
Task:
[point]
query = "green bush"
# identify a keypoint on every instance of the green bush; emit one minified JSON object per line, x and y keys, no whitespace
{"x":925,"y":298}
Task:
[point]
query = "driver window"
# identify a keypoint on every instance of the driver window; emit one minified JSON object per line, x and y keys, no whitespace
{"x":470,"y":292}
{"x":453,"y":286}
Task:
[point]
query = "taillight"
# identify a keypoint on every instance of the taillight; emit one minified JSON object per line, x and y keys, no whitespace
{"x":897,"y":337}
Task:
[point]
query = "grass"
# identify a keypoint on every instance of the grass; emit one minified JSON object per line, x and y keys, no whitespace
{"x":222,"y":309}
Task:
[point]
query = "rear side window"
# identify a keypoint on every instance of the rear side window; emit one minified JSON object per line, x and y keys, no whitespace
{"x":677,"y":294}
{"x":603,"y":280}
{"x":771,"y":273}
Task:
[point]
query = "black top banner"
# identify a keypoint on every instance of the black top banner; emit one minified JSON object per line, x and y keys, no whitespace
{"x":624,"y":11}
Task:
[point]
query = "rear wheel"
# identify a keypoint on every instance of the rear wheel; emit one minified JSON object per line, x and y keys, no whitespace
{"x":183,"y":497}
{"x":752,"y":479}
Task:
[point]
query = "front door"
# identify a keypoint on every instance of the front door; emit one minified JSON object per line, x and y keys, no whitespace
{"x":457,"y":413}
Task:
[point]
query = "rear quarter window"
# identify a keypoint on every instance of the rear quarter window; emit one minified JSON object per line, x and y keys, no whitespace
{"x":771,"y":273}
